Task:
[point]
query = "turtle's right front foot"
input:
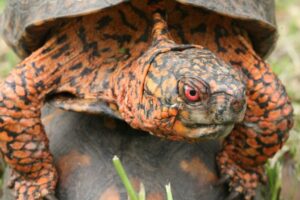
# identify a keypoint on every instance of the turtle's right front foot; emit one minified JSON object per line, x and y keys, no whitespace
{"x":24,"y":144}
{"x":34,"y":176}
{"x":242,"y":183}
{"x":40,"y":185}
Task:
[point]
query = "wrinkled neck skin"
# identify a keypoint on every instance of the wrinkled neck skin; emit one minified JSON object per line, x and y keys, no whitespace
{"x":142,"y":110}
{"x":106,"y":56}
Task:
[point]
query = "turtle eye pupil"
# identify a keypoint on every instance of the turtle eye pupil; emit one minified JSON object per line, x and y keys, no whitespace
{"x":193,"y":92}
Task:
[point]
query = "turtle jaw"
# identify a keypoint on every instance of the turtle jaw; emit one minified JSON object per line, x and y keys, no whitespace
{"x":202,"y":131}
{"x":213,"y":131}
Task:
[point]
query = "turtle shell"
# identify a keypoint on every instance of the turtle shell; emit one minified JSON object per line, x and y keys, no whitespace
{"x":83,"y":150}
{"x":25,"y":24}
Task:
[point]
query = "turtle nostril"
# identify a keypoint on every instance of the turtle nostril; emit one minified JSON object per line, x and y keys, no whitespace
{"x":237,"y":105}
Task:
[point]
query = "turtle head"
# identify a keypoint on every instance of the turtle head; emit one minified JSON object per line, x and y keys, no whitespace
{"x":183,"y":91}
{"x":196,"y":95}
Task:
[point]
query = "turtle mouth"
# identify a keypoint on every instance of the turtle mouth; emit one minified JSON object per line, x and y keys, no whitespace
{"x":210,"y":131}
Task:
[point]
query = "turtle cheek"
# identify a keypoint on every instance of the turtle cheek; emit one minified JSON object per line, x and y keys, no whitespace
{"x":191,"y":115}
{"x":162,"y":86}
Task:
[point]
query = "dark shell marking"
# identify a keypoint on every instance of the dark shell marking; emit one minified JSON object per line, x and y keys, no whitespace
{"x":26,"y":23}
{"x":112,"y":57}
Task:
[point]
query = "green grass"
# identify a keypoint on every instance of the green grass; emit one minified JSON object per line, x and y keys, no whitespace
{"x":133,"y":195}
{"x":7,"y":61}
{"x":8,"y":58}
{"x":2,"y":4}
{"x":272,"y":190}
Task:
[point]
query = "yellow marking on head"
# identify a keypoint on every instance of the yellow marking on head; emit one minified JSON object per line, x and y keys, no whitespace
{"x":167,"y":83}
{"x":153,"y":87}
{"x":179,"y":128}
{"x":113,"y":106}
{"x":158,"y":72}
{"x":185,"y":114}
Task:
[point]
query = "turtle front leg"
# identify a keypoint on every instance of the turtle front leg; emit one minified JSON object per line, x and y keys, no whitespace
{"x":265,"y":127}
{"x":23,"y":142}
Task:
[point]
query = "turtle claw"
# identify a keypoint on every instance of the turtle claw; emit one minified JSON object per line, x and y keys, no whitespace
{"x":50,"y":197}
{"x":233,"y":195}
{"x":33,"y":189}
{"x":12,"y":179}
{"x":224,"y":179}
{"x":241,"y":182}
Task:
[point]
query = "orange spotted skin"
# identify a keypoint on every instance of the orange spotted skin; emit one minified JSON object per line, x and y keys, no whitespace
{"x":127,"y":58}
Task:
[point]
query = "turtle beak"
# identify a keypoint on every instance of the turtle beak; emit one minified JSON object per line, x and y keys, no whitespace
{"x":215,"y":131}
{"x":202,"y":131}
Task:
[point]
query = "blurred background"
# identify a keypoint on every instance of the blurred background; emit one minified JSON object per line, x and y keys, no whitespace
{"x":284,"y":169}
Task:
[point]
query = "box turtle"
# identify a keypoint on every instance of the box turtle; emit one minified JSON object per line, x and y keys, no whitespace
{"x":187,"y":70}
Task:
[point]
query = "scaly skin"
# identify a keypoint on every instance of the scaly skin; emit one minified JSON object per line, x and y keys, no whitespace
{"x":142,"y":79}
{"x":265,"y":127}
{"x":269,"y":111}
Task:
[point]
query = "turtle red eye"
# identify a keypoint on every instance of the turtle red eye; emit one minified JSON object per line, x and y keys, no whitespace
{"x":191,"y":93}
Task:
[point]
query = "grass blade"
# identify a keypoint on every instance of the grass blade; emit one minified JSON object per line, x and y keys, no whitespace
{"x":142,"y":192}
{"x":169,"y":192}
{"x":120,"y":169}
